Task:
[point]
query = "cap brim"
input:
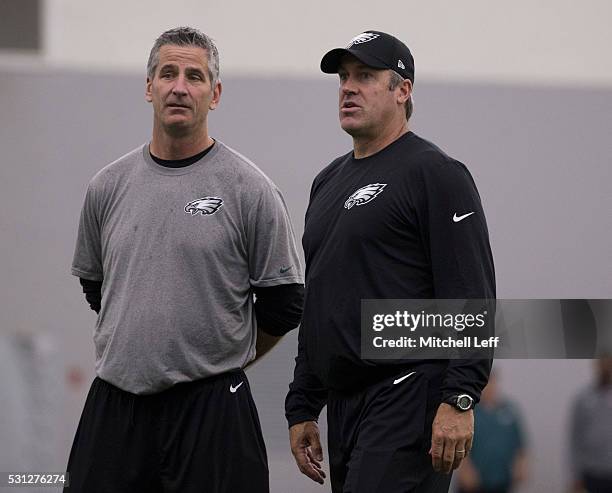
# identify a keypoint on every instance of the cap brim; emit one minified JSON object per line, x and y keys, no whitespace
{"x":331,"y":60}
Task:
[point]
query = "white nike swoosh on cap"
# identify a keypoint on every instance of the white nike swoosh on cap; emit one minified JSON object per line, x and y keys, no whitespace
{"x":401,"y":379}
{"x":457,"y":218}
{"x":234,"y":389}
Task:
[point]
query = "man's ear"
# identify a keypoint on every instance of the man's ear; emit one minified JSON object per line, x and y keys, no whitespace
{"x":148,"y":93}
{"x":405,"y":91}
{"x":216,"y":96}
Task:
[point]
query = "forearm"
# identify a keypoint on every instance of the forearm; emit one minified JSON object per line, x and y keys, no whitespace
{"x":466,"y":377}
{"x":307,"y":395}
{"x":265,"y":342}
{"x":520,"y":468}
{"x":305,"y":400}
{"x":93,"y":293}
{"x":278,"y":310}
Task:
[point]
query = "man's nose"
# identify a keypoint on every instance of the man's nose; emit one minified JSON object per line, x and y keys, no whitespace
{"x":180,"y":86}
{"x":348,"y":87}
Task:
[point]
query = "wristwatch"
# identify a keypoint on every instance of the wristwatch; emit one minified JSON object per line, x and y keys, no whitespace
{"x":461,"y":402}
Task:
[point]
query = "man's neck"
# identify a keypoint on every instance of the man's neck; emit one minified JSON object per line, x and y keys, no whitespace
{"x":169,"y":147}
{"x":366,"y":146}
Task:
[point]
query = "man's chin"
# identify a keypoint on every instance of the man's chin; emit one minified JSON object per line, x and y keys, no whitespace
{"x":351,"y":127}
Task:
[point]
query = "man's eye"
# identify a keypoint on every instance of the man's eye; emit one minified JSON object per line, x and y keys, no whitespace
{"x":366,"y":75}
{"x":166,"y":75}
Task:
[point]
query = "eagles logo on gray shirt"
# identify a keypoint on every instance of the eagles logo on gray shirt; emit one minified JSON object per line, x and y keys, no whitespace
{"x":206,"y":205}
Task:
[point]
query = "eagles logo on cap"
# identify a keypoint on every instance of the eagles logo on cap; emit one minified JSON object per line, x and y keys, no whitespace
{"x":362,"y":38}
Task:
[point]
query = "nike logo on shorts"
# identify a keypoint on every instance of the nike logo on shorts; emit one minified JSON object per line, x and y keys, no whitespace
{"x":234,"y":389}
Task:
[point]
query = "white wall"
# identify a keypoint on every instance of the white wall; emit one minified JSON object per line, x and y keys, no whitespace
{"x":524,"y":41}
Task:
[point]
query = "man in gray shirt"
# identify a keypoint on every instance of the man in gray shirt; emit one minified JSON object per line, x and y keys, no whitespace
{"x":174,"y":239}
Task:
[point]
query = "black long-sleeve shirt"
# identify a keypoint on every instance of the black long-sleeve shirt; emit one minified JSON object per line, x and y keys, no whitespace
{"x":385,"y":227}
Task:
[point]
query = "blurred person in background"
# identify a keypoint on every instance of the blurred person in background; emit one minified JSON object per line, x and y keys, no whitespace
{"x":590,"y":452}
{"x":174,"y":240}
{"x":498,"y":462}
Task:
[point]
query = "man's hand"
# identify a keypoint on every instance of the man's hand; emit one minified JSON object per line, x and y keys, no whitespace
{"x":451,"y":437}
{"x":306,"y":449}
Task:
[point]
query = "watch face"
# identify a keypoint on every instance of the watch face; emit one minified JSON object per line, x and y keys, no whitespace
{"x":464,"y":402}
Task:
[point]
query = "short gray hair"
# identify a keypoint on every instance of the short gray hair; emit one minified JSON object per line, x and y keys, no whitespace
{"x":185,"y":36}
{"x":394,"y":81}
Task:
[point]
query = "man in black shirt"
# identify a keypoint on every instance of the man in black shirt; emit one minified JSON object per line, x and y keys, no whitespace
{"x":396,"y":218}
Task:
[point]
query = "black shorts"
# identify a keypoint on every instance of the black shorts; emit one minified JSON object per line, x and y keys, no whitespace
{"x":201,"y":436}
{"x":379,"y":437}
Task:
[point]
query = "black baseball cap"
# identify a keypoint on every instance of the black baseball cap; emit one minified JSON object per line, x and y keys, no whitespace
{"x":377,"y":50}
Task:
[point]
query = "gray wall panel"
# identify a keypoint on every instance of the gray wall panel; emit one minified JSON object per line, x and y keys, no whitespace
{"x":540,"y":156}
